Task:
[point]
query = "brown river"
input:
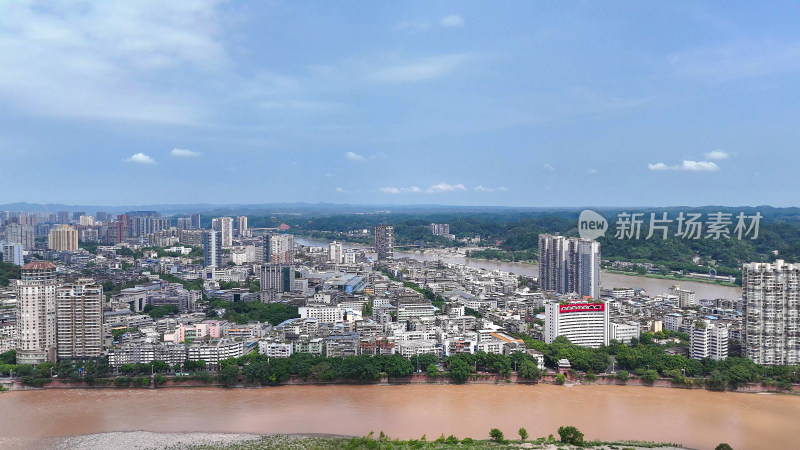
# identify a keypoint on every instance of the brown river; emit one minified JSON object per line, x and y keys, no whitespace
{"x":693,"y":418}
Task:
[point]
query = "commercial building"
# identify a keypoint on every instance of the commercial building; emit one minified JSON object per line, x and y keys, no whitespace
{"x":771,"y":315}
{"x":569,"y":265}
{"x":384,"y":242}
{"x":36,"y":313}
{"x":585,"y":324}
{"x":79,"y":314}
{"x":63,"y":239}
{"x":212,"y":249}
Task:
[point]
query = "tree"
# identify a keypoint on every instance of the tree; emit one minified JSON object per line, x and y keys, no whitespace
{"x":570,"y":435}
{"x":529,"y":371}
{"x":497,"y":435}
{"x":523,"y":434}
{"x":650,"y":376}
{"x":432,"y":371}
{"x":398,"y":366}
{"x":723,"y":446}
{"x":623,"y":375}
{"x":228,"y":375}
{"x":560,"y":378}
{"x":459,"y":371}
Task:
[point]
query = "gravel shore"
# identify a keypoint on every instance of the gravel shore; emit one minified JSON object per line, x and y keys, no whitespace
{"x":145,"y":440}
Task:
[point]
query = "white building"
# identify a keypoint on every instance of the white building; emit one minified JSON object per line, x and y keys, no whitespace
{"x":36,"y":313}
{"x":673,"y":321}
{"x":80,"y":320}
{"x":584,"y":324}
{"x":623,"y":332}
{"x":275,"y":349}
{"x":336,"y":252}
{"x":214,"y":352}
{"x":686,"y":298}
{"x":323,"y":314}
{"x":225,"y":226}
{"x":709,"y":340}
{"x":281,"y":249}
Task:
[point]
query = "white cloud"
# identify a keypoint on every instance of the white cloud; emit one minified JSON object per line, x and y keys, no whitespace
{"x":688,"y":166}
{"x":354,"y":156}
{"x":420,"y":70}
{"x":140,"y":158}
{"x":717,"y":154}
{"x":341,"y":190}
{"x":444,"y":187}
{"x":109,"y":57}
{"x":183,"y":153}
{"x":452,"y":21}
{"x":549,"y":167}
{"x":397,"y":190}
{"x":488,"y":189}
{"x":591,"y":171}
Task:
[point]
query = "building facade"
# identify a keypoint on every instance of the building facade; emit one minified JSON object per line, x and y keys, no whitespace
{"x":63,"y":239}
{"x":569,"y":265}
{"x":384,"y":242}
{"x":584,"y":324}
{"x":79,"y":320}
{"x":36,"y":313}
{"x":212,"y":249}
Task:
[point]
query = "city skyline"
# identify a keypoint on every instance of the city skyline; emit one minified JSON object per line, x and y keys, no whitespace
{"x":454,"y":103}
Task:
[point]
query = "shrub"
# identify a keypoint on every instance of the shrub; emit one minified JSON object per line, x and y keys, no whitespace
{"x":467,"y":441}
{"x":560,"y":378}
{"x":523,"y":434}
{"x":496,"y":435}
{"x":570,"y":435}
{"x":650,"y":376}
{"x":451,"y":440}
{"x":159,"y":379}
{"x":623,"y":375}
{"x":723,"y":446}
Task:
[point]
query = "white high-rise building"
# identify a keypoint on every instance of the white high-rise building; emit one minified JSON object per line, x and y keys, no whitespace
{"x":709,"y":340}
{"x":12,"y":253}
{"x":225,"y":227}
{"x":79,"y":320}
{"x":86,"y":221}
{"x":585,"y":324}
{"x":212,"y":249}
{"x":771,"y":316}
{"x":686,"y":298}
{"x":282,"y":249}
{"x":36,"y":313}
{"x":569,"y":265}
{"x":241,"y":226}
{"x":336,"y":252}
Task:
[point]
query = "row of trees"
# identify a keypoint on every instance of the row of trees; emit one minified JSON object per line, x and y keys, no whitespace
{"x":244,"y":312}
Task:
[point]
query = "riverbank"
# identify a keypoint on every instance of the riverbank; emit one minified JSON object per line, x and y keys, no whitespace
{"x":673,"y":278}
{"x":483,"y":378}
{"x":142,"y":440}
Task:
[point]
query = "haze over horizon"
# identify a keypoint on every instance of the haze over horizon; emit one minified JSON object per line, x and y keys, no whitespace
{"x":452,"y":103}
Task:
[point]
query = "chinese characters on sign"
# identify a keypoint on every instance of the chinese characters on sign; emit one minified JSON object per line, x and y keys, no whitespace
{"x":689,"y":226}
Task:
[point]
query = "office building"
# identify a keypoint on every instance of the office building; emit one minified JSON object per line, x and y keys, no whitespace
{"x":771,"y":313}
{"x":384,"y":242}
{"x":585,"y":324}
{"x":569,"y":265}
{"x":212,"y":249}
{"x":241,"y":226}
{"x":708,"y":340}
{"x":79,"y":314}
{"x":36,"y":313}
{"x":63,"y":239}
{"x":225,"y":226}
{"x":336,"y":252}
{"x":277,"y":277}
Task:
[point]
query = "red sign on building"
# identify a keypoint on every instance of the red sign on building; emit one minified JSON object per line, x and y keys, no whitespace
{"x":582,"y":307}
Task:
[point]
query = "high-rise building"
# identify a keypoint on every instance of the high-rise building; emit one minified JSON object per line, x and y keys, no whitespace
{"x":266,"y":249}
{"x":63,"y":217}
{"x":79,"y":313}
{"x":36,"y":313}
{"x":241,"y":226}
{"x":336,"y":252}
{"x":569,"y":265}
{"x":282,"y":249}
{"x":225,"y":226}
{"x":771,"y":315}
{"x":184,"y":223}
{"x":584,"y":324}
{"x":21,"y":234}
{"x":86,"y":221}
{"x":686,"y":298}
{"x":195,"y":218}
{"x":277,"y":277}
{"x":63,"y":239}
{"x":708,"y":340}
{"x":440,"y":229}
{"x":11,"y":253}
{"x":384,"y":242}
{"x":212,"y":249}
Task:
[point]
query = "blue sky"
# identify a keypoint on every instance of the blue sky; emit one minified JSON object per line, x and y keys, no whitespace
{"x":464,"y":103}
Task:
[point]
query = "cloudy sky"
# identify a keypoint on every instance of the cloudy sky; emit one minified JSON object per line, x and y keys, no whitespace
{"x":518,"y":103}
